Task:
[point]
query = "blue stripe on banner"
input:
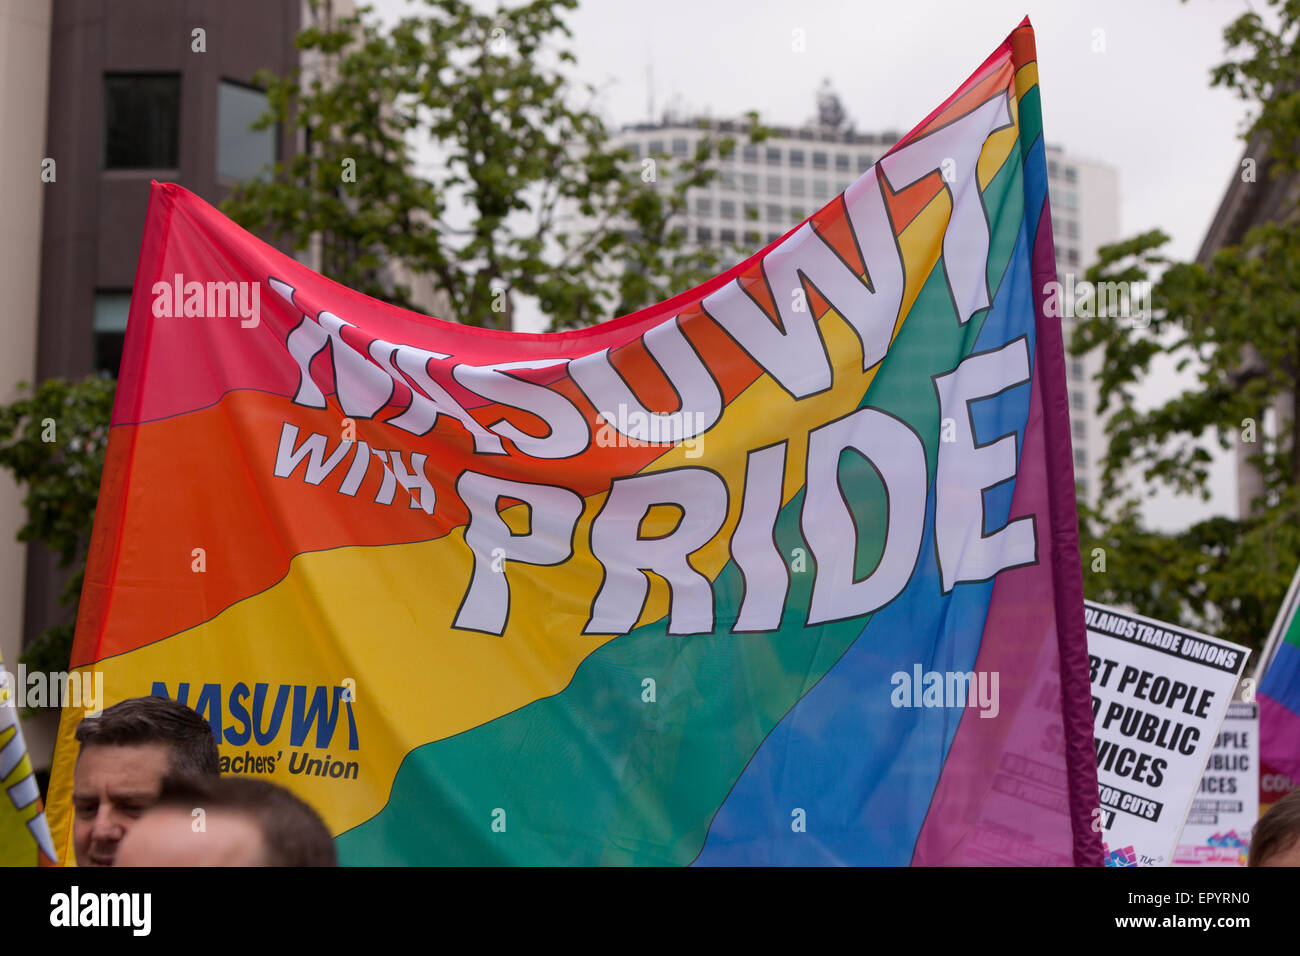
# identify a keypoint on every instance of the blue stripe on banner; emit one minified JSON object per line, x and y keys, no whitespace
{"x":855,"y":772}
{"x":1282,"y":680}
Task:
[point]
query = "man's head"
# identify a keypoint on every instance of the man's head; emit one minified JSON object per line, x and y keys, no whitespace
{"x":228,"y":821}
{"x":1276,"y":838}
{"x":125,"y":753}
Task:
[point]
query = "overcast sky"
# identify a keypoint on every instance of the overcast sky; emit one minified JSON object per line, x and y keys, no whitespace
{"x":1142,"y":104}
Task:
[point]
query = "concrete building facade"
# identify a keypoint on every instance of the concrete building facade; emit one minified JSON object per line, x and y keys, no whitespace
{"x":25,"y":55}
{"x":1255,"y":195}
{"x":98,"y":99}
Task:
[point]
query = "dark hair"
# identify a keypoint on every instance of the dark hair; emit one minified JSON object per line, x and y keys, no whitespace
{"x":148,"y":720}
{"x":292,"y":832}
{"x":1276,"y":830}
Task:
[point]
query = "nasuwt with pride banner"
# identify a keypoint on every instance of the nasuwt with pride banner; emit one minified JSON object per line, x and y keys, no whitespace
{"x":783,"y":570}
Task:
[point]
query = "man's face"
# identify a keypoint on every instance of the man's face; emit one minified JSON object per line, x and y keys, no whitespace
{"x":170,"y":836}
{"x":112,"y":787}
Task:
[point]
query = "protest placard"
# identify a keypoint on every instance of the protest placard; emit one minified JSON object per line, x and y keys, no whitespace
{"x":1159,"y":694}
{"x":1217,"y":829}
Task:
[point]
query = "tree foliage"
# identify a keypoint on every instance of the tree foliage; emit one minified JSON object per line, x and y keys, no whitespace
{"x":1235,"y":323}
{"x":52,"y":440}
{"x":527,"y":196}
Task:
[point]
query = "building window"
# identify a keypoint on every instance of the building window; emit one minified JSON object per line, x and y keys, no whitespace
{"x":704,"y":235}
{"x":841,"y":162}
{"x":773,"y":156}
{"x":821,"y":190}
{"x":774,"y":213}
{"x":750,"y":153}
{"x":634,"y":149}
{"x":1076,"y":400}
{"x":774,"y":185}
{"x":727,"y":179}
{"x":1071,"y":174}
{"x":727,"y":236}
{"x":796,"y":214}
{"x":750,"y":181}
{"x":243,"y":152}
{"x":752,"y":238}
{"x":1072,"y":229}
{"x":796,"y":158}
{"x":819,"y":160}
{"x":1081,"y":484}
{"x":865,"y":162}
{"x":656,"y":146}
{"x":681,"y":146}
{"x":1076,"y":368}
{"x":1078,"y":428}
{"x":1053,"y":169}
{"x":1072,"y":257}
{"x":1080,"y":458}
{"x":797,"y":186}
{"x":142,"y":121}
{"x":751,"y":211}
{"x":704,"y":206}
{"x":727,"y":209}
{"x":109,"y":324}
{"x":773,"y":237}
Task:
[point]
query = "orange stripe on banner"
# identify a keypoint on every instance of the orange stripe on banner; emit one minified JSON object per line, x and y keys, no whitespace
{"x":832,"y":224}
{"x":906,"y":205}
{"x":999,"y":80}
{"x":249,"y":524}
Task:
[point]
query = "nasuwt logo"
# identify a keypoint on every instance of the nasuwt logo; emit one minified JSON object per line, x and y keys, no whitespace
{"x":240,"y":714}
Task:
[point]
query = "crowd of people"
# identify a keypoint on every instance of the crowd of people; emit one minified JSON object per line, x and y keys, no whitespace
{"x":147,"y":791}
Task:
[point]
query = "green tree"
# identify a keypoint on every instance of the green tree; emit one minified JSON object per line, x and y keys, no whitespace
{"x":528,"y":197}
{"x":52,"y":440}
{"x":1233,"y":322}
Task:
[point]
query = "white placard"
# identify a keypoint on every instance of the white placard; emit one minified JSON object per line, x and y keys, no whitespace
{"x":1159,"y":693}
{"x":1217,"y":830}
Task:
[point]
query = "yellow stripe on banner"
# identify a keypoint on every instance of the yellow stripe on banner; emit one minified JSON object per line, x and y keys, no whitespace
{"x":999,"y":146}
{"x":379,"y":617}
{"x":1026,"y":79}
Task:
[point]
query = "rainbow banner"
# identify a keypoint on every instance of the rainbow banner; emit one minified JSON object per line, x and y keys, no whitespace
{"x":783,"y":570}
{"x":1279,"y":698}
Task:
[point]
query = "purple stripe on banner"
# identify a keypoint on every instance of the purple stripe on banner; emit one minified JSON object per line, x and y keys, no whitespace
{"x":1076,"y":688}
{"x":1279,"y":736}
